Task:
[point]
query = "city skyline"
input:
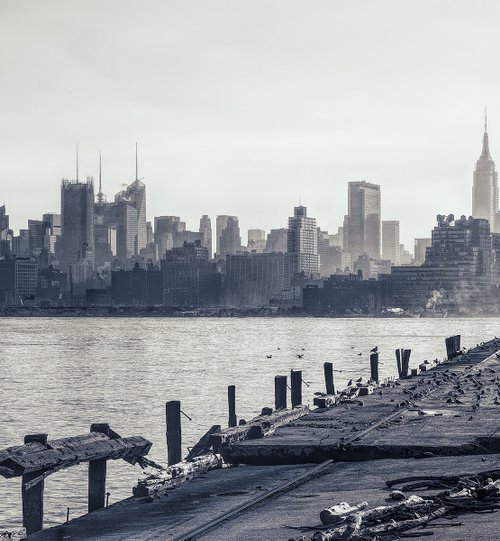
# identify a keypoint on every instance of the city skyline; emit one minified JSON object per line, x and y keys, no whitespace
{"x":230,"y":102}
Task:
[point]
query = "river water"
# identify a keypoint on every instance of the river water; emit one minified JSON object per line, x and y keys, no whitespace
{"x":59,"y":375}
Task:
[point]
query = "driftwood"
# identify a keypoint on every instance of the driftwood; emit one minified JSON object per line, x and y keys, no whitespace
{"x":175,"y":475}
{"x":257,"y":428}
{"x":476,"y":492}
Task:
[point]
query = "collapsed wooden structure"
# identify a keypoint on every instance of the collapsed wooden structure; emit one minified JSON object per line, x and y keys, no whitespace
{"x":39,"y":457}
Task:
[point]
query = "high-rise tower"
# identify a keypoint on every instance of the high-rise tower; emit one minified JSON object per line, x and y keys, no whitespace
{"x":206,"y":232}
{"x":485,"y":185}
{"x":362,"y":224}
{"x":302,"y":243}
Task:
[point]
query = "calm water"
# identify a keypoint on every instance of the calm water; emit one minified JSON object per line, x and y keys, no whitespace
{"x":60,"y":375}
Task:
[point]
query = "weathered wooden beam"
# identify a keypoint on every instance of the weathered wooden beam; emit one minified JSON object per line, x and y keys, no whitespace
{"x":175,"y":475}
{"x":329,"y":382}
{"x":231,"y":401}
{"x":33,"y":497}
{"x":374,"y":367}
{"x":280,"y":392}
{"x":258,"y":427}
{"x":97,"y":474}
{"x":174,"y":437}
{"x":204,"y":445}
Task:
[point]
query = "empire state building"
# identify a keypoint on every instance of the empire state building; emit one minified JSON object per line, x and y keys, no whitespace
{"x":485,"y":185}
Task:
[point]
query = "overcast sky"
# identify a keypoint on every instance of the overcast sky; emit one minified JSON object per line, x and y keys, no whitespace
{"x":241,"y":107}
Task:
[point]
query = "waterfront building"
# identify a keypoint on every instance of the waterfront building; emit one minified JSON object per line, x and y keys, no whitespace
{"x":277,"y":240}
{"x":252,"y":279}
{"x":137,"y":287}
{"x":369,"y":268}
{"x":302,"y":244}
{"x":421,"y":246}
{"x":189,"y":277}
{"x":346,"y":294}
{"x":206,"y":234}
{"x":21,"y":244}
{"x":390,"y":241}
{"x":459,"y":271}
{"x":361,"y":230}
{"x":77,"y":221}
{"x":18,"y":281}
{"x":485,"y":185}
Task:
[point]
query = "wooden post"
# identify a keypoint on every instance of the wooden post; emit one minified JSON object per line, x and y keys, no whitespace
{"x":296,"y":386}
{"x":279,"y":392}
{"x":329,"y":383}
{"x":374,"y":367}
{"x":398,"y":361}
{"x":33,"y":497}
{"x":406,"y":362}
{"x":173,"y":414}
{"x":448,"y":347}
{"x":231,"y":399}
{"x":97,"y":475}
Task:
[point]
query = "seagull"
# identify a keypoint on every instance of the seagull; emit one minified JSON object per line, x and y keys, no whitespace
{"x":279,"y":349}
{"x":374,"y":350}
{"x":359,"y":380}
{"x":359,"y":354}
{"x":299,"y":356}
{"x":269,"y":356}
{"x":350,"y":383}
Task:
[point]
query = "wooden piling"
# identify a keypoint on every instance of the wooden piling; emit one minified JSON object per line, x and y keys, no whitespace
{"x":296,"y":387}
{"x":329,"y":382}
{"x":173,"y":416}
{"x":33,"y":497}
{"x":231,"y":400}
{"x":398,"y":362}
{"x":97,"y":474}
{"x":374,"y":367}
{"x":279,"y":392}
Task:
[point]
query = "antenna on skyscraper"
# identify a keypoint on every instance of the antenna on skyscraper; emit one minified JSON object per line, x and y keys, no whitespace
{"x":77,"y":161}
{"x":136,"y":168}
{"x":100,"y":196}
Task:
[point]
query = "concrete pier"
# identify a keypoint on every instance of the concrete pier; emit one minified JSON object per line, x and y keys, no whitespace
{"x":442,"y":421}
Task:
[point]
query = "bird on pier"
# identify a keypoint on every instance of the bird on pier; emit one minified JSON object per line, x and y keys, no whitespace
{"x":359,"y":354}
{"x":359,"y":380}
{"x":374,"y":350}
{"x":350,"y":383}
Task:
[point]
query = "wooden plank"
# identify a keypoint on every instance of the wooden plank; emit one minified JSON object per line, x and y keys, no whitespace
{"x":175,"y":475}
{"x":258,"y":427}
{"x":203,"y":446}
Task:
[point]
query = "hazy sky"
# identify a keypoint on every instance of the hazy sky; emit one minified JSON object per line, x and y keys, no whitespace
{"x":242,"y":107}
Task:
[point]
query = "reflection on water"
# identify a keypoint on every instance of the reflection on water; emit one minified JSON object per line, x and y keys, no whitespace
{"x":61,"y":375}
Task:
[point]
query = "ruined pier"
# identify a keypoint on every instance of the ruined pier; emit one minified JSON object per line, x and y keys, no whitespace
{"x":437,"y":419}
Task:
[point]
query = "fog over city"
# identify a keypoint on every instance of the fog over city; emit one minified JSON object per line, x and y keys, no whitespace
{"x":244,"y":107}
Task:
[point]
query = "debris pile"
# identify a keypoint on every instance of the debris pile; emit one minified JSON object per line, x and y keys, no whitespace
{"x":463,"y":494}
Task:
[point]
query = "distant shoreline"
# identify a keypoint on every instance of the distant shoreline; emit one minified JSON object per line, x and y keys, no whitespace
{"x":162,"y":312}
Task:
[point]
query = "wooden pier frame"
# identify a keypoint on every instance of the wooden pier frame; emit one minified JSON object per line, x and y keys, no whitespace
{"x":296,"y":387}
{"x":280,"y":393}
{"x":374,"y":367}
{"x":329,"y":381}
{"x":39,"y":457}
{"x":174,"y":433}
{"x":231,"y":400}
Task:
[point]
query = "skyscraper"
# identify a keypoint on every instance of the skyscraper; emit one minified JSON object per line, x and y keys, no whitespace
{"x":362,"y":224}
{"x":256,"y":240}
{"x":485,"y":185}
{"x":229,"y":242}
{"x":302,"y":243}
{"x":77,"y":221}
{"x":277,"y":240}
{"x":390,"y":241}
{"x":206,"y":232}
{"x":135,"y":196}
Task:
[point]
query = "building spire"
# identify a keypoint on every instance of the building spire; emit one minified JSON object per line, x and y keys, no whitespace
{"x":136,"y":168}
{"x":77,"y":162}
{"x":100,"y":195}
{"x":485,"y":154}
